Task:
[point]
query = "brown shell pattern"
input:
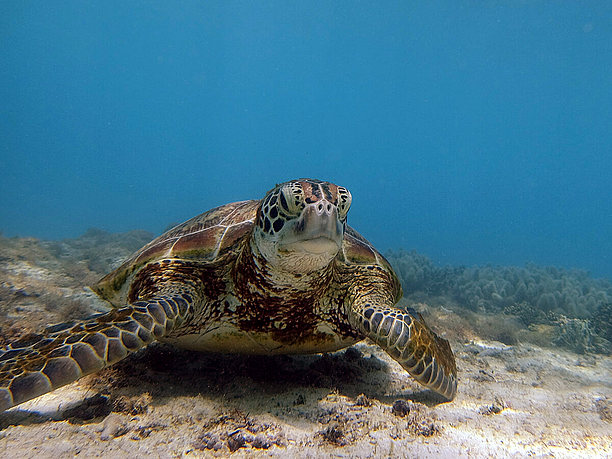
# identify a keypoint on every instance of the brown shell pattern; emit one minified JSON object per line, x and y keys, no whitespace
{"x":204,"y":237}
{"x":209,"y":235}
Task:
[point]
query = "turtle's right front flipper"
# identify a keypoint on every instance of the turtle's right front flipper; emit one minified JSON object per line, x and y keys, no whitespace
{"x":35,"y":366}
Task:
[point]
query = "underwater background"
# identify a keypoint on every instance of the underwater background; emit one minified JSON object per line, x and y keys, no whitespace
{"x":475,"y":137}
{"x":472,"y":132}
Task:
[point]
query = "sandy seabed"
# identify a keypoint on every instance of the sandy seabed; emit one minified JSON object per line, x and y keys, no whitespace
{"x":512,"y":401}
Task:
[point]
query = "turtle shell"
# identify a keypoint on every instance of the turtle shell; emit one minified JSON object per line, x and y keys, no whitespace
{"x":210,"y":235}
{"x":204,"y":237}
{"x":357,"y":250}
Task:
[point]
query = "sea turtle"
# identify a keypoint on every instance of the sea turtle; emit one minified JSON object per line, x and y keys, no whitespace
{"x":281,"y":275}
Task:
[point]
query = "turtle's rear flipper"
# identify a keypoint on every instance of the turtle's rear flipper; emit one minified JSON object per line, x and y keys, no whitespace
{"x":41,"y":363}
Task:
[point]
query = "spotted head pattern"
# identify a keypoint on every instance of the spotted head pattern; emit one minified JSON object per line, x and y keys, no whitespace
{"x":288,"y":200}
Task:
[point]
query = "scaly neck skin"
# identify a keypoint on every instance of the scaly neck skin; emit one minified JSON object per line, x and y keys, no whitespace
{"x":258,"y":280}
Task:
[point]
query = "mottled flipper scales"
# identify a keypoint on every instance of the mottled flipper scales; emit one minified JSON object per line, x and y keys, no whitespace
{"x":39,"y":364}
{"x":406,"y":338}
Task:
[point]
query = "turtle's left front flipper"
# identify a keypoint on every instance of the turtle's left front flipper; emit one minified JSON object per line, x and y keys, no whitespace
{"x":39,"y":364}
{"x":405,"y":337}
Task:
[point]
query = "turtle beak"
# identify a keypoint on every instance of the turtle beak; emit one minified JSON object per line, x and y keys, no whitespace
{"x":317,"y":231}
{"x":321,"y":220}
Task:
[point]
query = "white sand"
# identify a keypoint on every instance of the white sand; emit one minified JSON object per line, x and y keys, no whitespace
{"x":553,"y":404}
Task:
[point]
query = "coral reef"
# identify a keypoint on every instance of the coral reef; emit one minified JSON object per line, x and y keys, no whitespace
{"x":601,"y":322}
{"x":493,"y":288}
{"x":547,"y":289}
{"x":578,"y":306}
{"x":529,"y":314}
{"x":575,"y":334}
{"x":419,"y":274}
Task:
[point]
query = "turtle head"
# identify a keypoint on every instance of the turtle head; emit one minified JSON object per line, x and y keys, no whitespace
{"x":300,"y":224}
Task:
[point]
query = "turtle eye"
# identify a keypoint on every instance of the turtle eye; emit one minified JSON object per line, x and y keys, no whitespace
{"x":344,"y":201}
{"x":291,"y":198}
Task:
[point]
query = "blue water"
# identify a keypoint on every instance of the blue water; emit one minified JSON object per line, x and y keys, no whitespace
{"x":471,"y":131}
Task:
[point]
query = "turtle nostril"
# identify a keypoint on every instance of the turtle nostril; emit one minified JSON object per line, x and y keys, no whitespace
{"x":323,"y":208}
